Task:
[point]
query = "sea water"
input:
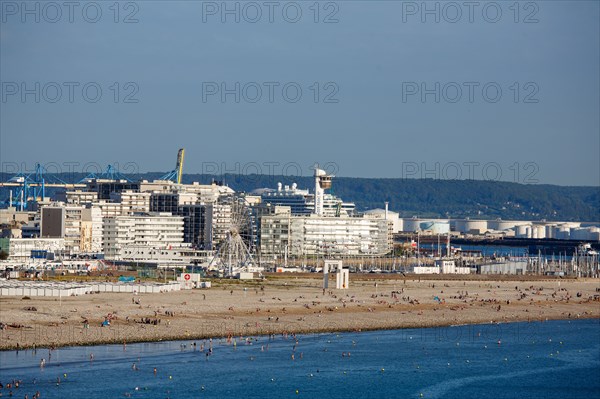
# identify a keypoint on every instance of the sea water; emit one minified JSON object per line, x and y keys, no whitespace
{"x":553,"y":359}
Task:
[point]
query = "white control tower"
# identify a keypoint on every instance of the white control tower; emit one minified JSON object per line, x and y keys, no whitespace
{"x":322,"y":182}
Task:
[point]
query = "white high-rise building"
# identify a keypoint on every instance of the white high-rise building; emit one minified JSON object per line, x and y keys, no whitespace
{"x":141,"y":236}
{"x":296,"y":235}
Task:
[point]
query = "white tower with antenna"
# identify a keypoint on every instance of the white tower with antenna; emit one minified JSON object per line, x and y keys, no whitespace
{"x":322,"y":182}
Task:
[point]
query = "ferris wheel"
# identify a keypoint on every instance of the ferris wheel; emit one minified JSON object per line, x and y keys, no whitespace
{"x":235,"y":235}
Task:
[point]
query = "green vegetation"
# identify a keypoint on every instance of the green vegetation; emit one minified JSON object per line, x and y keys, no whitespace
{"x":446,"y":198}
{"x":427,"y":197}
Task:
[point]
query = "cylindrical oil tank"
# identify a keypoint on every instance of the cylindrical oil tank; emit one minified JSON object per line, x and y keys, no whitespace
{"x":521,"y":231}
{"x":399,"y":225}
{"x":476,"y":226}
{"x":460,"y":225}
{"x":440,"y":228}
{"x":500,"y":224}
{"x":540,"y":231}
{"x":410,"y":225}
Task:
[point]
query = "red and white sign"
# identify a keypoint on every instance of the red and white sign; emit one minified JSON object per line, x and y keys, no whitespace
{"x":187,"y":277}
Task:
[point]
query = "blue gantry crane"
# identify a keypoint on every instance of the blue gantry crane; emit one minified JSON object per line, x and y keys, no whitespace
{"x":32,"y":186}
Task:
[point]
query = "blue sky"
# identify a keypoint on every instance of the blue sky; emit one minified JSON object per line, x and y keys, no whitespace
{"x":543,"y":128}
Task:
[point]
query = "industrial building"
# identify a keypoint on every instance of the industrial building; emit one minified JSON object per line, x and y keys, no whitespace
{"x":392,"y":217}
{"x":507,"y":228}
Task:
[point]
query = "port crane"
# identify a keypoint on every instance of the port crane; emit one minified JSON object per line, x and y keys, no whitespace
{"x":32,"y":186}
{"x":175,"y":175}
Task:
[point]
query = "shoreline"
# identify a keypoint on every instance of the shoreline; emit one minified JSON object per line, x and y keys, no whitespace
{"x":263,"y":334}
{"x":293,"y":305}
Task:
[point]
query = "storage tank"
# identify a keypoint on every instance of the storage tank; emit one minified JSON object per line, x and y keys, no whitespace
{"x":563,"y":233}
{"x":522,"y":231}
{"x":500,"y":224}
{"x":550,"y":231}
{"x":460,"y":225}
{"x":399,"y":225}
{"x":435,"y":227}
{"x":410,"y":225}
{"x":440,"y":228}
{"x":538,"y":231}
{"x":584,"y":234}
{"x":476,"y":226}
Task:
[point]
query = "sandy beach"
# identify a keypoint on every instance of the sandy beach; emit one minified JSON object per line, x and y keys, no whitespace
{"x":290,"y":304}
